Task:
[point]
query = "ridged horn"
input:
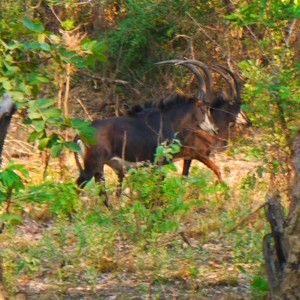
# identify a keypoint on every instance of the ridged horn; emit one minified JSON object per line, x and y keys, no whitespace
{"x":228,"y":80}
{"x":205,"y":69}
{"x":236,"y":82}
{"x":201,"y":81}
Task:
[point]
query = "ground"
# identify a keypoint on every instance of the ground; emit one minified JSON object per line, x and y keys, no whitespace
{"x":215,"y":258}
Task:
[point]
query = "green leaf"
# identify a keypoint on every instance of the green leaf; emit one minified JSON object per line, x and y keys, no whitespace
{"x":39,"y":125}
{"x":87,"y":135}
{"x":68,"y":24}
{"x":34,"y":25}
{"x":79,"y":123}
{"x":72,"y":146}
{"x":259,"y":284}
{"x":17,"y":96}
{"x":19,"y":167}
{"x":54,"y":139}
{"x":52,"y":113}
{"x":3,"y":197}
{"x":45,"y":46}
{"x":34,"y":115}
{"x":10,"y":179}
{"x":56,"y":150}
{"x":32,"y":46}
{"x":11,"y":69}
{"x":170,"y":167}
{"x":160,"y":151}
{"x":43,"y":143}
{"x":12,"y":45}
{"x":82,"y":64}
{"x":35,"y":78}
{"x":175,"y":148}
{"x":91,"y":60}
{"x":100,"y":57}
{"x":6,"y":85}
{"x":77,"y":59}
{"x":44,"y":102}
{"x":35,"y":136}
{"x":66,"y":53}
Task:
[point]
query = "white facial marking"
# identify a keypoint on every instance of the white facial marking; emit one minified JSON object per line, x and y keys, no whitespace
{"x":208,"y":126}
{"x":242,"y":119}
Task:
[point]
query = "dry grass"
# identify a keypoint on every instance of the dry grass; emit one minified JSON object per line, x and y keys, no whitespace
{"x":50,"y":256}
{"x":168,"y":266}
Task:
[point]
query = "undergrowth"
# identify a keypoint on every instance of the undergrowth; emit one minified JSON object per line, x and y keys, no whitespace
{"x":163,"y":229}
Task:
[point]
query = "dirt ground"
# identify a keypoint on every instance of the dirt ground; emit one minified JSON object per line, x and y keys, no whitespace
{"x":211,"y":285}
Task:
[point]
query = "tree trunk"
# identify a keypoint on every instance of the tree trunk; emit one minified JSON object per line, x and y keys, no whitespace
{"x":282,"y":246}
{"x":7,"y":109}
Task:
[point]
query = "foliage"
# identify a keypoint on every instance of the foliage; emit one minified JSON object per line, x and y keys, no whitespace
{"x":44,"y":117}
{"x":10,"y":183}
{"x":146,"y":28}
{"x":141,"y":237}
{"x":272,"y":82}
{"x":265,"y":13}
{"x":25,"y":70}
{"x":156,"y":198}
{"x":40,"y":52}
{"x":59,"y":198}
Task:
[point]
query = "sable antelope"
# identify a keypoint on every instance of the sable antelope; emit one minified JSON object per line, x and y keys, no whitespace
{"x":225,"y":110}
{"x":122,"y":142}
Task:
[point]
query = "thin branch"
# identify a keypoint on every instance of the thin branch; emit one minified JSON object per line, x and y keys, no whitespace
{"x":244,"y":220}
{"x":185,"y":239}
{"x":190,"y":41}
{"x":54,"y":13}
{"x":67,"y":91}
{"x":287,"y":41}
{"x":84,"y":109}
{"x":107,"y":80}
{"x":35,"y":6}
{"x":290,"y":31}
{"x":113,"y":81}
{"x":200,"y":27}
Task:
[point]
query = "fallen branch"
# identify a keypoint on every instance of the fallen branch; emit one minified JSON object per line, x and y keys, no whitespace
{"x":244,"y":220}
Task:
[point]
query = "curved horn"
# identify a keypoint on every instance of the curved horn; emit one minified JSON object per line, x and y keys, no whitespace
{"x":236,"y":82}
{"x":202,"y":92}
{"x":231,"y":87}
{"x":205,"y":70}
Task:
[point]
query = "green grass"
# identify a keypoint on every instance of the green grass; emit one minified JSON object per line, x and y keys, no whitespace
{"x":185,"y":235}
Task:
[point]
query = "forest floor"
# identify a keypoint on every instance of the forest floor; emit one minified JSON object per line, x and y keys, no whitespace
{"x":218,"y":263}
{"x":218,"y":276}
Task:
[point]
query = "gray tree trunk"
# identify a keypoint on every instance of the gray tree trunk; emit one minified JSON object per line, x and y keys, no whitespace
{"x":282,"y":246}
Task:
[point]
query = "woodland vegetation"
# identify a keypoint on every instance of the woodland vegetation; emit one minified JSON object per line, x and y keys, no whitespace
{"x":65,"y":63}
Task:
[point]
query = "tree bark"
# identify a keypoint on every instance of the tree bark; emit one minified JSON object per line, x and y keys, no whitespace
{"x":282,"y":247}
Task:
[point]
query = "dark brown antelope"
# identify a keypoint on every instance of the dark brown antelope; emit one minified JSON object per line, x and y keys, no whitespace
{"x":200,"y":124}
{"x":124,"y":141}
{"x":225,"y":110}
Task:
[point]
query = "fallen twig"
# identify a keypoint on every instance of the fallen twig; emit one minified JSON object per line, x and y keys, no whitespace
{"x":244,"y":220}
